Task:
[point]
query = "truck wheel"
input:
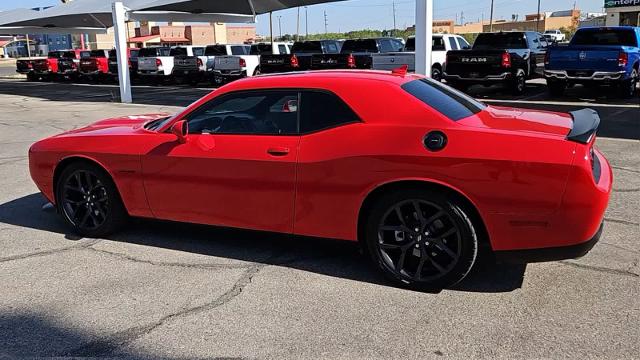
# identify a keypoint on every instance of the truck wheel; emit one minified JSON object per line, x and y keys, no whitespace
{"x":519,"y":82}
{"x":436,"y":74}
{"x":257,"y":72}
{"x":627,"y":88}
{"x":556,"y":88}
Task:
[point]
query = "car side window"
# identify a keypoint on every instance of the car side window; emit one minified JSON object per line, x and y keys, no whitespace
{"x":463,"y":43}
{"x":542,"y":42}
{"x":453,"y":43}
{"x":322,"y":110}
{"x":255,"y":112}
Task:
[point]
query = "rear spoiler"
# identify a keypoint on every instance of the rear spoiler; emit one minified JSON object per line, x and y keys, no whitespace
{"x":585,"y":125}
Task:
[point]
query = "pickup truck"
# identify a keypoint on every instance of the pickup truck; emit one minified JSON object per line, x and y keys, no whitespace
{"x":554,"y":36}
{"x":276,"y":48}
{"x":440,"y":45}
{"x":356,"y":54}
{"x":596,"y":56}
{"x":155,"y":63}
{"x":226,"y":63}
{"x":47,"y":68}
{"x":300,"y":57}
{"x":132,"y":56}
{"x":188,"y":63}
{"x":25,"y":66}
{"x":96,"y":66}
{"x":508,"y":58}
{"x":69,"y":63}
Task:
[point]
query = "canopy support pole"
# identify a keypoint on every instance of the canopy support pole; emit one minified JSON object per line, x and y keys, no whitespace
{"x":424,"y":36}
{"x":119,"y":17}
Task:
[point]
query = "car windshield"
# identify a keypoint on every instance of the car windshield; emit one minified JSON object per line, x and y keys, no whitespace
{"x":215,"y":50}
{"x":97,"y":53}
{"x":307,"y":47}
{"x":623,"y":37}
{"x":450,"y":102}
{"x":365,"y":45}
{"x":159,"y":123}
{"x":504,"y":40}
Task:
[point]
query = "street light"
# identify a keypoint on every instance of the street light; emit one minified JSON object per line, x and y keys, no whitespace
{"x":280,"y":27}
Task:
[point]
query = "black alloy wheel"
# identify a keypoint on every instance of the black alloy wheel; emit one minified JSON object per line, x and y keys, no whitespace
{"x":88,"y":200}
{"x":628,"y":87}
{"x":436,"y":74}
{"x":519,"y":83}
{"x":421,"y":240}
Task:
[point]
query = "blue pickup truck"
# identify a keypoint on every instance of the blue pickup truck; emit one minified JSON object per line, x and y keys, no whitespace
{"x":596,"y":56}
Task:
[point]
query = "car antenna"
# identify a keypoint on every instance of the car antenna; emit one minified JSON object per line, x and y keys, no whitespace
{"x":400,"y":71}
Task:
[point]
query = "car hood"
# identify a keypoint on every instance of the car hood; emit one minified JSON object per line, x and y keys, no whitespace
{"x":119,"y":125}
{"x":522,"y":120}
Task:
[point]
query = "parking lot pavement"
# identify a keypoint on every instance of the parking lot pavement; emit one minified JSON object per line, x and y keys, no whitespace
{"x":166,"y":290}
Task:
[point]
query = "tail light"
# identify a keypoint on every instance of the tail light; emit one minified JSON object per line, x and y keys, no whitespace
{"x":294,"y":62}
{"x":243,"y":62}
{"x":129,"y":63}
{"x":199,"y":62}
{"x":158,"y":62}
{"x":351,"y":61}
{"x":30,"y":65}
{"x":546,"y":59}
{"x":506,"y":60}
{"x":623,"y":59}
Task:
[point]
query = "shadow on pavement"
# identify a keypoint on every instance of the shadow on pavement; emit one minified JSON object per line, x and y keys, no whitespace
{"x":341,"y":259}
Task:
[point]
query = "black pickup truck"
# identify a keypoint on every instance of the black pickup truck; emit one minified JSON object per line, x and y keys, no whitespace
{"x":509,"y":58}
{"x":356,"y":54}
{"x":300,"y":57}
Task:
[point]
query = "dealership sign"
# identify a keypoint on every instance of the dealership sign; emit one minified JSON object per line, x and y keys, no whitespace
{"x":621,"y":3}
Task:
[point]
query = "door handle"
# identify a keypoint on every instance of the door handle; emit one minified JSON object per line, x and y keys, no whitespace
{"x":278,"y":151}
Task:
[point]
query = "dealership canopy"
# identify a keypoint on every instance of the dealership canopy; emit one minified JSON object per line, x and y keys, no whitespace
{"x":107,"y":13}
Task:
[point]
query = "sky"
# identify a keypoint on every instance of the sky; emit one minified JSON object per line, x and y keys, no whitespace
{"x":378,"y":14}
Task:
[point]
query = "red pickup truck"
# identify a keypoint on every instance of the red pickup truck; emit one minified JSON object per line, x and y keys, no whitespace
{"x":96,"y":66}
{"x":46,"y":68}
{"x":69,"y":63}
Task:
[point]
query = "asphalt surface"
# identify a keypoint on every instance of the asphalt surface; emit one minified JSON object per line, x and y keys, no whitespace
{"x":164,"y":290}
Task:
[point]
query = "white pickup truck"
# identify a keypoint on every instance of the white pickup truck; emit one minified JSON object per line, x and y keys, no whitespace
{"x":188,"y":63}
{"x":441,"y":44}
{"x":554,"y":36}
{"x":229,"y":62}
{"x":155,"y":63}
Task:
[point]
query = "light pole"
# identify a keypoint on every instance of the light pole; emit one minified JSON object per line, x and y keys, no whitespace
{"x":298,"y":25}
{"x":306,"y":22}
{"x":280,"y":26}
{"x":491,"y":18}
{"x":538,"y":18}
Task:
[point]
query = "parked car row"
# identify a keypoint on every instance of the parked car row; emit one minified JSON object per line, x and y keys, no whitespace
{"x":595,"y":56}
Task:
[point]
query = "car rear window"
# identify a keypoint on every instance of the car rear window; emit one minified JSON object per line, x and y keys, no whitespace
{"x":364,"y":45}
{"x":153,"y":52}
{"x":178,"y":51}
{"x":97,"y":53}
{"x":506,"y":40}
{"x":85,"y":54}
{"x":239,"y":50}
{"x":69,"y":55}
{"x":215,"y":50}
{"x":261,"y":49}
{"x":437,"y":44}
{"x":307,"y":47}
{"x":452,"y":103}
{"x":622,"y":37}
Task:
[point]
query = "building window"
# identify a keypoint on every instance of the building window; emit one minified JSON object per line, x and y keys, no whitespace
{"x":630,"y":18}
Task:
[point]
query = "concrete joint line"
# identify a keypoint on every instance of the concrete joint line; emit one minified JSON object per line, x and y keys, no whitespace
{"x":623,"y":222}
{"x":50,"y":252}
{"x":601,"y":269}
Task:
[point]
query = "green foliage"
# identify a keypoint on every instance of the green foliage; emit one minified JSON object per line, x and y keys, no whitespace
{"x":358,"y":34}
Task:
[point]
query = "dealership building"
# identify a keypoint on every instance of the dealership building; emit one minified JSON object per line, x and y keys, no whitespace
{"x":622,"y":12}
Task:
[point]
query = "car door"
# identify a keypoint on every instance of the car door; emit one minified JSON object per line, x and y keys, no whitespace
{"x":237,"y":167}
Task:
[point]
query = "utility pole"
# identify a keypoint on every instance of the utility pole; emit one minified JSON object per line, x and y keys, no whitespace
{"x":326,"y":23}
{"x":298,"y":26}
{"x":271,"y":26}
{"x":280,"y":26}
{"x":394,"y":20}
{"x":461,"y":17}
{"x":28,"y":46}
{"x":306,"y":22}
{"x":538,"y":18}
{"x":491,"y":18}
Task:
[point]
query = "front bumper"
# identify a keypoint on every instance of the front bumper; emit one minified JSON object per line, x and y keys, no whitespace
{"x":596,"y":76}
{"x":488,"y":78}
{"x":550,"y":254}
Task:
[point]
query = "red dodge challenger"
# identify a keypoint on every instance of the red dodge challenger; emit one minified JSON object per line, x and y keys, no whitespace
{"x":421,"y":174}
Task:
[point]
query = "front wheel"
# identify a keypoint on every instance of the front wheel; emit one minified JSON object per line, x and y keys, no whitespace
{"x":89,"y":201}
{"x":421,"y":239}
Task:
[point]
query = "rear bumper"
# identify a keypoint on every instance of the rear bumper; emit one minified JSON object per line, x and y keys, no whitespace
{"x":550,"y":254}
{"x":596,"y":76}
{"x":185,"y":72}
{"x":24,"y":72}
{"x":488,"y":78}
{"x":151,"y":72}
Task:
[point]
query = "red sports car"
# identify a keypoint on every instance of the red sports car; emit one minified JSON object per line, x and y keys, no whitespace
{"x":421,"y":174}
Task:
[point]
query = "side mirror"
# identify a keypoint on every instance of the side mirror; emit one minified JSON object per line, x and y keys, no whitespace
{"x":180,"y":129}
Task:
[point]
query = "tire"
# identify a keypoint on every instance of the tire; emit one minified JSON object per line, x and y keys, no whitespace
{"x":627,"y":88}
{"x":88,"y":200}
{"x":519,"y":83}
{"x":556,"y":88}
{"x":257,"y":72}
{"x":436,"y":74}
{"x":429,"y":263}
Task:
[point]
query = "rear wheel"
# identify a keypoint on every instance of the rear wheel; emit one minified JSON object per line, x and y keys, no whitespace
{"x":421,"y":239}
{"x":519,"y":82}
{"x":89,"y":201}
{"x":436,"y":74}
{"x":627,"y":88}
{"x":556,"y":87}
